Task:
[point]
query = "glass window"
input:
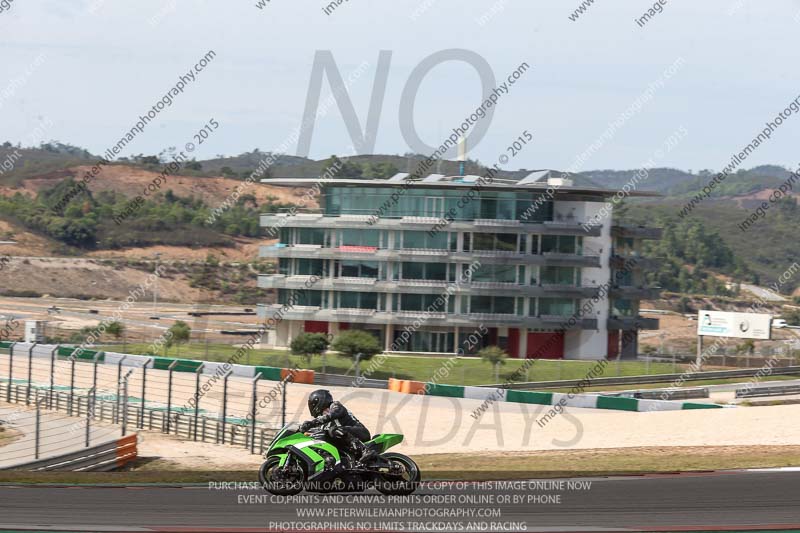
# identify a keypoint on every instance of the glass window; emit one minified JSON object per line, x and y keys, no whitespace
{"x":488,"y":208}
{"x":357,"y":300}
{"x":492,"y":304}
{"x":480,"y":304}
{"x":437,"y":271}
{"x":562,"y":244}
{"x":358,"y":269}
{"x":556,"y":306}
{"x":414,"y":239}
{"x":284,"y":267}
{"x":482,"y":241}
{"x":558,"y":275}
{"x":428,"y":271}
{"x":622,"y":278}
{"x":506,"y":242}
{"x":421,"y":240}
{"x":622,"y":308}
{"x":307,"y":297}
{"x":348,"y":300}
{"x":359,"y":237}
{"x":308,"y":267}
{"x":413,"y":271}
{"x":506,"y":205}
{"x":503,"y":305}
{"x":310,"y":236}
{"x":549,"y":244}
{"x":496,"y":274}
{"x":535,"y":209}
{"x":368,"y":300}
{"x":534,"y":244}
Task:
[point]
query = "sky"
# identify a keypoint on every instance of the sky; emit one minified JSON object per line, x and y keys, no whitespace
{"x":599,"y":92}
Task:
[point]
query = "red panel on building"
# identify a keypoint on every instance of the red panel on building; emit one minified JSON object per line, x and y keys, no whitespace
{"x":513,"y":342}
{"x":344,"y":326}
{"x":554,"y":342}
{"x":315,"y":326}
{"x":613,"y":343}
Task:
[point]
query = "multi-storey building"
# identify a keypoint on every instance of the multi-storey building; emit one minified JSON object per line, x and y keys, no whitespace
{"x":452,"y":264}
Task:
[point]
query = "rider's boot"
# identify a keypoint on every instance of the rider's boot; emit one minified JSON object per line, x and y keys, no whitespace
{"x":361,"y":452}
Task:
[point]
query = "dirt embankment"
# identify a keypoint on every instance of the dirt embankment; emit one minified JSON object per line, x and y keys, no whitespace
{"x":131,"y":181}
{"x":87,"y":278}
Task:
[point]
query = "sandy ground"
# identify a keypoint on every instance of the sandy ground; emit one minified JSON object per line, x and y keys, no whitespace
{"x":73,"y":315}
{"x":445,"y":425}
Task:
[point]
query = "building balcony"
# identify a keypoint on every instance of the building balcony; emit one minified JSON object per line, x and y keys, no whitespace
{"x":317,"y":220}
{"x":636,"y":232}
{"x":406,"y":318}
{"x":415,"y":255}
{"x":632,"y":322}
{"x":422,"y":286}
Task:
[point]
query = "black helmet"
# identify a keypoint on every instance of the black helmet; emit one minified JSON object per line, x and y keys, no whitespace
{"x":318,"y":401}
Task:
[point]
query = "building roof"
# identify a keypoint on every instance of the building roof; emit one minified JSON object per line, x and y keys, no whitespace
{"x":536,"y":181}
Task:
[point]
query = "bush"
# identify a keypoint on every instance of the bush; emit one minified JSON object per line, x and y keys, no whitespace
{"x":308,"y":345}
{"x":351,"y":343}
{"x":496,"y":356}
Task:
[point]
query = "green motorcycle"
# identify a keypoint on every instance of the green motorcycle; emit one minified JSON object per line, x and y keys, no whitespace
{"x":297,"y":461}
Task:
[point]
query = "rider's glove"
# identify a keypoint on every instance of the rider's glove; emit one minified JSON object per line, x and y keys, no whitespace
{"x":305,"y":426}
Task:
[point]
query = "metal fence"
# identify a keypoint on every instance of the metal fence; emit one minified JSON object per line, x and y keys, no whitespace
{"x":207,"y":405}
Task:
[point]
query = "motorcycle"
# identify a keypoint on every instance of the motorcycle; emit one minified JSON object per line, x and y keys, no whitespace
{"x":297,"y":461}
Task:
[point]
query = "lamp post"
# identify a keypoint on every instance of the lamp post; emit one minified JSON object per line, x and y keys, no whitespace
{"x":155,"y":284}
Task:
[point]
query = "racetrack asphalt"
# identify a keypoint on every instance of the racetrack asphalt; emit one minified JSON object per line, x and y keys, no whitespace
{"x":713,"y":501}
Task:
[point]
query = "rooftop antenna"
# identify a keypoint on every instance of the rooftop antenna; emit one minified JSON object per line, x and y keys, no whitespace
{"x":462,"y":155}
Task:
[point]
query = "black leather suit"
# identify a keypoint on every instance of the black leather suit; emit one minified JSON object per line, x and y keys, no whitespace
{"x":342,"y":426}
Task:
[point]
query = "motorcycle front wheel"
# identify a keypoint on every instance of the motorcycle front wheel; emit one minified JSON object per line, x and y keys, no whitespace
{"x":286,"y":481}
{"x":402,"y":478}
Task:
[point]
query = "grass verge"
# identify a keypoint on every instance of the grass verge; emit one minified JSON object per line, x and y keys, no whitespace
{"x":488,"y":466}
{"x":466,"y":371}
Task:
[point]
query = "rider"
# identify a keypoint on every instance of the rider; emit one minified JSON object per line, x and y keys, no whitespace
{"x":339,"y":423}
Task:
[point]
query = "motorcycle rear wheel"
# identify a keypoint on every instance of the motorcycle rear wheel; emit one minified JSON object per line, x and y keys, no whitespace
{"x":409,"y":479}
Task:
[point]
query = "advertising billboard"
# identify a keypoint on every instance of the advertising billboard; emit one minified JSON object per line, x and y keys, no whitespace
{"x":736,"y":325}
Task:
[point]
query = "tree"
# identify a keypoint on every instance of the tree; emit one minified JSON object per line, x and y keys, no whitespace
{"x":496,"y":356}
{"x":179,"y":333}
{"x":308,"y":345}
{"x":356,"y":344}
{"x":116,"y":329}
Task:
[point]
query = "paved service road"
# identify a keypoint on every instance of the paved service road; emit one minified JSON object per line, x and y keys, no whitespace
{"x":681,"y":502}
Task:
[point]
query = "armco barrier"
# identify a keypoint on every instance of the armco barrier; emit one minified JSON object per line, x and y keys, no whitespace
{"x":103,"y":457}
{"x":777,"y":390}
